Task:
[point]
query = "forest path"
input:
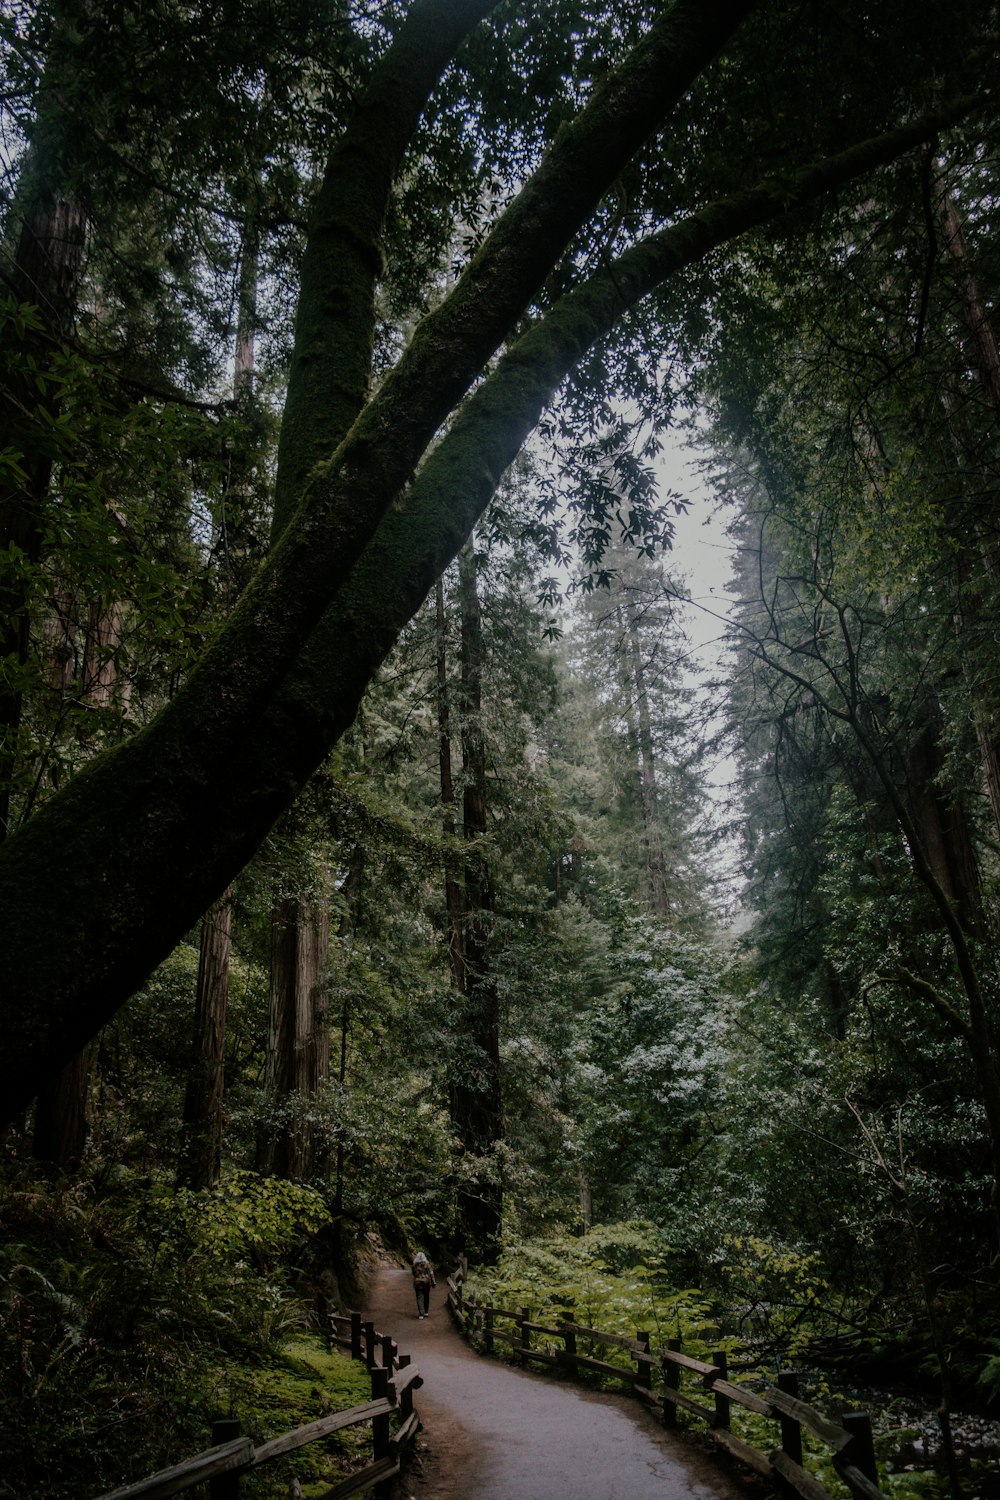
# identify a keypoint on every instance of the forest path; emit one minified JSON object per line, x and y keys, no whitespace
{"x":495,"y":1433}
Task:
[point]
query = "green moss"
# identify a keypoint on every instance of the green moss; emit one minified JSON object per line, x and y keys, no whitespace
{"x":304,"y":1382}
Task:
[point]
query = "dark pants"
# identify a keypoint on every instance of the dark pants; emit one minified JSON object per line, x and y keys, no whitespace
{"x":423,"y":1291}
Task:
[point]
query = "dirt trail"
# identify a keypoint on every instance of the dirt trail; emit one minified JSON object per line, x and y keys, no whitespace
{"x":495,"y":1433}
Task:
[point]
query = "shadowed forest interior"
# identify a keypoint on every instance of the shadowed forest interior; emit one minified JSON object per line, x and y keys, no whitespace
{"x":383,"y":866}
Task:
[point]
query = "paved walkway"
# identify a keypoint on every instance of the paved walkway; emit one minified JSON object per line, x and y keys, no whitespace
{"x":492,"y":1432}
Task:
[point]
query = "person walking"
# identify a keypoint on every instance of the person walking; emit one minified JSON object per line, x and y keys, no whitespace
{"x":423,"y":1280}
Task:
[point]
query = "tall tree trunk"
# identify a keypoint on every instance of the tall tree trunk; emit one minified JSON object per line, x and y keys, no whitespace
{"x":351,"y":893}
{"x":476,"y":1105}
{"x":452,"y":885}
{"x":46,"y":274}
{"x":201,"y":1139}
{"x":298,"y":1049}
{"x":652,"y":836}
{"x":201,"y":1129}
{"x":942,"y":824}
{"x":62,"y":1121}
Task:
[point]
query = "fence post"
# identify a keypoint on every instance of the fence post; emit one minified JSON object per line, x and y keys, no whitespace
{"x":722,"y":1403}
{"x":643,"y":1372}
{"x":791,"y":1432}
{"x":488,"y":1329}
{"x":569,"y":1338}
{"x":224,"y":1486}
{"x":388,"y":1352}
{"x":355,"y":1335}
{"x":406,"y":1399}
{"x":862,"y":1449}
{"x":525,"y":1333}
{"x":369,"y":1332}
{"x":671,"y":1380}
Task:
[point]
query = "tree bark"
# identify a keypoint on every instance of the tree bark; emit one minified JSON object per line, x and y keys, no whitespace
{"x":351,"y":893}
{"x":45,"y":274}
{"x":298,"y":1046}
{"x":200,"y":1159}
{"x":62,"y":1115}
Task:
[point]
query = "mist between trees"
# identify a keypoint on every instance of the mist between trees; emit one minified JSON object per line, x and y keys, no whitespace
{"x":358,"y":872}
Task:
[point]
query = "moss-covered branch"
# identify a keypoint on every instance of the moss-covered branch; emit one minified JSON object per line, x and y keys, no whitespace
{"x":328,"y":381}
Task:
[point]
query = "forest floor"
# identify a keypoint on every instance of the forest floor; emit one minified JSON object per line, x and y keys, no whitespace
{"x":496,"y":1433}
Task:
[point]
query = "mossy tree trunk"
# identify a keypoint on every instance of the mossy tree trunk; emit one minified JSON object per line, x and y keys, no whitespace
{"x":368,"y":531}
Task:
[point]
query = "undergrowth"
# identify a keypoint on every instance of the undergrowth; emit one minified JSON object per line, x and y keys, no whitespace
{"x":132,"y":1317}
{"x":620,"y":1279}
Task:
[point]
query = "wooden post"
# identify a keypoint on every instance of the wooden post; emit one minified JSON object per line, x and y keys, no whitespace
{"x":569,"y":1339}
{"x":722,"y":1403}
{"x":525,"y":1332}
{"x":406,"y":1399}
{"x":355,"y":1335}
{"x":643,"y":1372}
{"x":388,"y":1352}
{"x":224,"y":1486}
{"x":862,"y":1449}
{"x":671,"y":1380}
{"x":488,"y":1329}
{"x":369,"y":1332}
{"x":791,"y":1432}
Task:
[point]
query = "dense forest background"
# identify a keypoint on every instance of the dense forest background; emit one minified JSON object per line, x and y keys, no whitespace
{"x":483,"y":966}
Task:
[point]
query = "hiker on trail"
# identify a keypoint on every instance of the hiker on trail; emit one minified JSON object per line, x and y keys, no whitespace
{"x":423,"y":1280}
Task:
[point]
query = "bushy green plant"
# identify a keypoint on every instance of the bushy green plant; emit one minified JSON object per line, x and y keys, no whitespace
{"x":131,"y":1317}
{"x":615,"y":1277}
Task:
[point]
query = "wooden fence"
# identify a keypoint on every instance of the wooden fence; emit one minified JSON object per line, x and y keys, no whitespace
{"x":655,"y":1376}
{"x":394,"y":1379}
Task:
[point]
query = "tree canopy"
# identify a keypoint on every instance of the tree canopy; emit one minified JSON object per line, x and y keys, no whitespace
{"x":610,"y":160}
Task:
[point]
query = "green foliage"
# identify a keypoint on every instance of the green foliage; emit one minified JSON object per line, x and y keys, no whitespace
{"x":130,"y":1319}
{"x":615,"y":1277}
{"x":260,"y":1218}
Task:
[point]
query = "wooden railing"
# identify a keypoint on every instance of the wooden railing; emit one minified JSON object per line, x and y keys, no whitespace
{"x":394,"y":1379}
{"x":849,"y":1439}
